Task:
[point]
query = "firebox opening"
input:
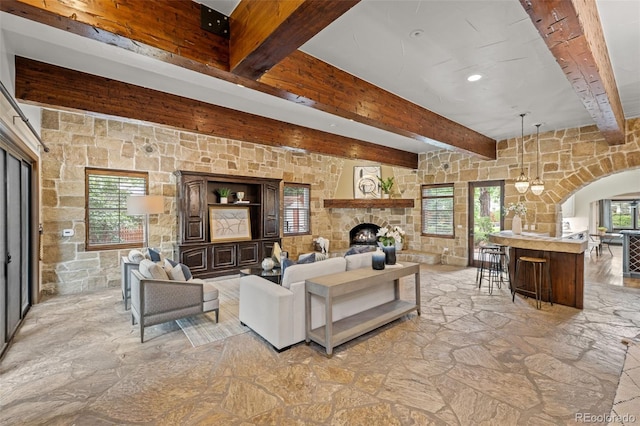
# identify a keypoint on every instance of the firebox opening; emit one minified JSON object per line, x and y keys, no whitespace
{"x":364,"y":234}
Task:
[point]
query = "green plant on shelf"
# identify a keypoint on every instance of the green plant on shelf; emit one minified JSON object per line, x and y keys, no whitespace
{"x":386,"y":184}
{"x":224,"y":192}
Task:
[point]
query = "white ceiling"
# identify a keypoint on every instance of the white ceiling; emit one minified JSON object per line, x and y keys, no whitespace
{"x":372,"y":41}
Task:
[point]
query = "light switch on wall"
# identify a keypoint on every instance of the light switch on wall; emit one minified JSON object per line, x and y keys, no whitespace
{"x":67,"y":232}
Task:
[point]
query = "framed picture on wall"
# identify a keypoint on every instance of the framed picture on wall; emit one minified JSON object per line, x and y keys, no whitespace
{"x":229,"y":224}
{"x":366,"y":182}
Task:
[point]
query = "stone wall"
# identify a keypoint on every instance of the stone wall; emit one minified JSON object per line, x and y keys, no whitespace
{"x":82,"y":140}
{"x":571,"y":159}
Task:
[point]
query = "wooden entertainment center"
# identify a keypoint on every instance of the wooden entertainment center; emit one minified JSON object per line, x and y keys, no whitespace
{"x":196,"y":194}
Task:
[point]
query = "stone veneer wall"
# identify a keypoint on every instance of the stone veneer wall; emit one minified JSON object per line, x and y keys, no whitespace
{"x":571,"y":159}
{"x":81,"y":140}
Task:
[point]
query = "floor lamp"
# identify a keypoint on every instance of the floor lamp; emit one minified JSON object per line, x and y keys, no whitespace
{"x":146,"y":205}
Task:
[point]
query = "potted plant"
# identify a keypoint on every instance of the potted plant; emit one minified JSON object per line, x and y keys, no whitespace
{"x":602,"y":230}
{"x":224,"y":195}
{"x":385,"y":186}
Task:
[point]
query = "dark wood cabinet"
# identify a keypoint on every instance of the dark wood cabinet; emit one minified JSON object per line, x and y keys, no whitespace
{"x":196,"y":193}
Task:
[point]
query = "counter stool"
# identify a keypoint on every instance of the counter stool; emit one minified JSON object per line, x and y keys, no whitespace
{"x":537,"y":265}
{"x":492,"y":267}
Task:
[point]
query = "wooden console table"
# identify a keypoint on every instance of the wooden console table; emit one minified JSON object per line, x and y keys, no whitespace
{"x":331,"y":287}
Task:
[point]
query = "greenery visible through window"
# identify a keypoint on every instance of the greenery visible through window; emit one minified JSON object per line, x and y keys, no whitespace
{"x":296,"y":209}
{"x":437,"y":210}
{"x":107,"y":224}
{"x":624,"y":214}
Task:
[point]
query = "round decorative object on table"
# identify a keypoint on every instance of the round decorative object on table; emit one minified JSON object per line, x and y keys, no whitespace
{"x":516,"y":225}
{"x":268,"y":264}
{"x":389,"y":254}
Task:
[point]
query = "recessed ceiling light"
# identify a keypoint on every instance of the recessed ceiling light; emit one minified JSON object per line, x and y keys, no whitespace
{"x":474,"y":77}
{"x":416,"y":33}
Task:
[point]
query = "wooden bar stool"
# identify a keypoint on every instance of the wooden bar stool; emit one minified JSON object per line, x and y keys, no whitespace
{"x":538,"y":267}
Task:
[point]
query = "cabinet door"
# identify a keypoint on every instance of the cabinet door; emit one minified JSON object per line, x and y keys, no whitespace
{"x":224,"y":256}
{"x":271,"y":211}
{"x":248,"y":254}
{"x":193,"y":213}
{"x":195,"y":258}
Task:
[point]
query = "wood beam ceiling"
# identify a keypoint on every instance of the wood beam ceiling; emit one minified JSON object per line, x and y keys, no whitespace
{"x":46,"y":84}
{"x":134,"y":26}
{"x":573,"y":33}
{"x":265,"y":32}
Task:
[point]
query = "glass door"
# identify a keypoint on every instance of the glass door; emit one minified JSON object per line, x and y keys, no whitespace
{"x":485,"y":214}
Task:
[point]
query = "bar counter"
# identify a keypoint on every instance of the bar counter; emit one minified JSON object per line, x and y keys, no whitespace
{"x":565,"y":257}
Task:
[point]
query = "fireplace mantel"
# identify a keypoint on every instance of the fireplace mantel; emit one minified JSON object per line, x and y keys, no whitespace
{"x":367,"y":203}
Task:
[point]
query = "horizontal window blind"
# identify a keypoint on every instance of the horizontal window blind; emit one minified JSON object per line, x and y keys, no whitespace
{"x":297,"y":213}
{"x":437,"y":210}
{"x":108,"y":224}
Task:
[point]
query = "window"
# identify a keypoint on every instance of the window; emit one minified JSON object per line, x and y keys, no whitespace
{"x":296,"y":209}
{"x":437,"y":210}
{"x":107,"y":222}
{"x":624,"y":215}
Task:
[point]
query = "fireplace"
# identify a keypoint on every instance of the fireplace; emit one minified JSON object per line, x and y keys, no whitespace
{"x":364,"y":234}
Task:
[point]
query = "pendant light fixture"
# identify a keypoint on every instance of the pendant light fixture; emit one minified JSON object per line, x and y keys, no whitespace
{"x":537,"y":186}
{"x":522,"y":183}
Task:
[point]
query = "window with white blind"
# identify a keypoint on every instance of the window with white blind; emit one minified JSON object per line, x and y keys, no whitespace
{"x":297,"y":209}
{"x":437,"y":210}
{"x":107,"y":224}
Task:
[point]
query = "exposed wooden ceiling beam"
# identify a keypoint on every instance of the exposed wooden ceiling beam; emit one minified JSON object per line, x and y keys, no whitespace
{"x":104,"y":21}
{"x":573,"y":33}
{"x":45,"y":84}
{"x":262,"y":33}
{"x":340,"y":93}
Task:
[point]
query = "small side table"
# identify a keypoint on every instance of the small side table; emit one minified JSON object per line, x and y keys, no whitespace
{"x":126,"y":268}
{"x":274,"y":275}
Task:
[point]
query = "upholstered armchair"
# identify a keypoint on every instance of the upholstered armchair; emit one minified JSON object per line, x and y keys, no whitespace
{"x":155,"y":298}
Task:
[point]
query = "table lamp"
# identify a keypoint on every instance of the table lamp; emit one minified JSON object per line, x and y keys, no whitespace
{"x":146,"y":205}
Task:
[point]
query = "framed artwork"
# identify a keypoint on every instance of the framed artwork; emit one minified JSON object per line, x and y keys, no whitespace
{"x":365,"y":182}
{"x":229,"y":224}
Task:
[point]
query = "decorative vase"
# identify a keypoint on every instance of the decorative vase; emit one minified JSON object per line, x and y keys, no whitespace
{"x":378,"y":259}
{"x":224,"y":200}
{"x":385,"y":196}
{"x":399,"y":245}
{"x":389,"y":254}
{"x":516,"y":225}
{"x":267,"y":264}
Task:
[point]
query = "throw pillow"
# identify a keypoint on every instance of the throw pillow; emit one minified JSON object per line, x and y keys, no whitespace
{"x":286,"y":262}
{"x":307,"y":258}
{"x":359,"y":249}
{"x":176,"y":274}
{"x":170,"y":264}
{"x":186,"y":271}
{"x":152,"y":270}
{"x":154,"y":254}
{"x":135,"y":256}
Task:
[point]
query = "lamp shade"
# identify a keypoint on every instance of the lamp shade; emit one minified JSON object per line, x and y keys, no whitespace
{"x":537,"y":186}
{"x":522,"y":183}
{"x":145,"y":204}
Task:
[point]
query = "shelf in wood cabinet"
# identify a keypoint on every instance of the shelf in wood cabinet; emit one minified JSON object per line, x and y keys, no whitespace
{"x":367,"y":203}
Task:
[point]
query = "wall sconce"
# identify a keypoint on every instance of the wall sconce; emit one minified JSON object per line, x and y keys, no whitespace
{"x":537,"y":186}
{"x":522,"y":183}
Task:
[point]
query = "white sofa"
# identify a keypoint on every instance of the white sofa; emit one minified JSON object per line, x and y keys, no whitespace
{"x":277,"y":312}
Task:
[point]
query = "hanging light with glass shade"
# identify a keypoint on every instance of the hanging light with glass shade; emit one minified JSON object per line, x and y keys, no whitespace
{"x":522,"y":183}
{"x":537,"y":186}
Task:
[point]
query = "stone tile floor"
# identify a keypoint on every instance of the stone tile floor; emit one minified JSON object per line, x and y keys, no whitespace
{"x":469,"y":359}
